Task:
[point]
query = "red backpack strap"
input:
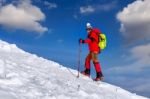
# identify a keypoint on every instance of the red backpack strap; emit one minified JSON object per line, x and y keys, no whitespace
{"x":97,"y":31}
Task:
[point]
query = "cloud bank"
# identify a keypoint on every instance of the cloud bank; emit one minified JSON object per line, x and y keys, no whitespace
{"x":24,"y":16}
{"x":135,"y":21}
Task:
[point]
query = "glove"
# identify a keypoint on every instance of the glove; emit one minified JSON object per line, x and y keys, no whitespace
{"x":81,"y":41}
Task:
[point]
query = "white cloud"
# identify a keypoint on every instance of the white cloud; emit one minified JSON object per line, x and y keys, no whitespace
{"x":139,"y":84}
{"x":50,"y":5}
{"x":60,"y":41}
{"x":143,"y":87}
{"x":75,"y":16}
{"x":135,"y":21}
{"x":140,"y":55}
{"x":86,"y":9}
{"x":23,"y":16}
{"x":141,"y":52}
{"x":97,"y":8}
{"x":107,"y":7}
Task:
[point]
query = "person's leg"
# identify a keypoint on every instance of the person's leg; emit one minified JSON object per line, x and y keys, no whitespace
{"x":87,"y":65}
{"x":97,"y":66}
{"x":87,"y":61}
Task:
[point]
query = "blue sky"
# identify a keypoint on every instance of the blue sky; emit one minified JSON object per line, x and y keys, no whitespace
{"x":51,"y":29}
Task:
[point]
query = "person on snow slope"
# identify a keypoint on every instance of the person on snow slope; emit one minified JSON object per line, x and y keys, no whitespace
{"x":92,"y":41}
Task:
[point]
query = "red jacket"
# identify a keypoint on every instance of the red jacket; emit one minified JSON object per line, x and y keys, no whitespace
{"x":92,"y":40}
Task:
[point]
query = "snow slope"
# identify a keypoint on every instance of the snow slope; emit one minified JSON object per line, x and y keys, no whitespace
{"x":26,"y":76}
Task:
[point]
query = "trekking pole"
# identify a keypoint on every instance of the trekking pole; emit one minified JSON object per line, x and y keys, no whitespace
{"x":79,"y":56}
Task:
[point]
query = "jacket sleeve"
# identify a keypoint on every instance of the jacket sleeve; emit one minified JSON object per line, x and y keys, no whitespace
{"x":88,"y":40}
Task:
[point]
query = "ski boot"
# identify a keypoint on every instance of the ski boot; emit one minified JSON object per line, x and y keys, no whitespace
{"x":99,"y":77}
{"x":86,"y":72}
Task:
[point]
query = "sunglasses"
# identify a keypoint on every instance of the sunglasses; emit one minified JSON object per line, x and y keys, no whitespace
{"x":88,"y":29}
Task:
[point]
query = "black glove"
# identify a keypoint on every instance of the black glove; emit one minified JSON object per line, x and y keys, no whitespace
{"x":81,"y":41}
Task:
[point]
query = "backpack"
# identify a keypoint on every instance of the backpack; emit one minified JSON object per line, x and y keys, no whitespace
{"x":102,"y":41}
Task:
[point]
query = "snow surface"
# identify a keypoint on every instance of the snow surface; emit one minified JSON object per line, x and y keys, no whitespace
{"x":27,"y":76}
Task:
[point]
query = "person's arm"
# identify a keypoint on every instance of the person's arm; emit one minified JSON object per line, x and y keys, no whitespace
{"x":88,"y":40}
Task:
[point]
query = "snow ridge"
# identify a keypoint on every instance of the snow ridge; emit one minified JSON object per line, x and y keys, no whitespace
{"x":27,"y":76}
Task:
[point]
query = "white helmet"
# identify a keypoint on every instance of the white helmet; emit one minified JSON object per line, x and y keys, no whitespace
{"x":88,"y":26}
